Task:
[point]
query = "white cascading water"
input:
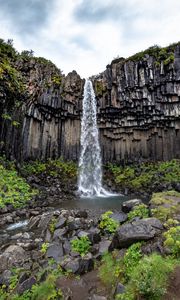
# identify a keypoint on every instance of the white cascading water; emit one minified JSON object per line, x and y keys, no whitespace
{"x":90,"y":165}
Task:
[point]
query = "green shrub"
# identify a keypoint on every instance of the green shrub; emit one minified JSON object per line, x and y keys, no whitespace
{"x":35,"y":167}
{"x":81,"y":245}
{"x":13,"y":189}
{"x":140,"y":211}
{"x":131,"y":259}
{"x":148,"y":279}
{"x":173,"y":240}
{"x":58,"y":167}
{"x":107,"y":223}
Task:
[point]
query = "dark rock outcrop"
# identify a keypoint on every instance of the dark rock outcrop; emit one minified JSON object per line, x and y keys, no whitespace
{"x":141,"y":230}
{"x":138,"y":111}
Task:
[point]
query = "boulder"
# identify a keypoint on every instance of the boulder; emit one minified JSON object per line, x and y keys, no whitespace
{"x":104,"y":246}
{"x":121,"y":217}
{"x":72,"y":264}
{"x":94,"y":235}
{"x":140,"y":230}
{"x":13,"y":256}
{"x":127,"y":206}
{"x":55,"y":250}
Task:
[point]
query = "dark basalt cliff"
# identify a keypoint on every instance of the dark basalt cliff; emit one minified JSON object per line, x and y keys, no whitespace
{"x":138,"y":109}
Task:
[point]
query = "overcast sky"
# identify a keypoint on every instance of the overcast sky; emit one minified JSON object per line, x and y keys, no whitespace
{"x":85,"y":35}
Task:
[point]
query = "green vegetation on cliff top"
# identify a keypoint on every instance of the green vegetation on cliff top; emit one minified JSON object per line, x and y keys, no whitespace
{"x":164,"y":54}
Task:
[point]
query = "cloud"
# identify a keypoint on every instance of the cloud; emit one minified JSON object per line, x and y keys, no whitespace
{"x":26,"y":16}
{"x":95,"y":12}
{"x":86,"y":35}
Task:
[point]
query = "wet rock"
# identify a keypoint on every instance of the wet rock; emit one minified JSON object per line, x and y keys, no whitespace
{"x":55,"y":250}
{"x":33,"y":223}
{"x":141,"y":230}
{"x":127,"y":206}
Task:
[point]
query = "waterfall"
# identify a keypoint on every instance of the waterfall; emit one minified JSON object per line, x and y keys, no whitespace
{"x":90,"y":164}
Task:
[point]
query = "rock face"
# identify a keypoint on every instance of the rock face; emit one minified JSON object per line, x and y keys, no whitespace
{"x":138,"y":111}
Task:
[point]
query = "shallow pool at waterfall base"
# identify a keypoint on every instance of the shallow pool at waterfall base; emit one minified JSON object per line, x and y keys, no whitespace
{"x":109,"y":202}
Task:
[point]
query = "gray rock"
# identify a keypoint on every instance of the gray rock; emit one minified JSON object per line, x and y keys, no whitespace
{"x":140,"y":230}
{"x":120,"y":217}
{"x":59,"y":233}
{"x":72,"y":264}
{"x":127,"y":206}
{"x":94,"y":235}
{"x":5,"y":277}
{"x":14,"y":255}
{"x":33,"y":222}
{"x":67,"y":247}
{"x":104,"y":246}
{"x":26,"y":285}
{"x":82,"y":214}
{"x":61,"y":222}
{"x":45,"y":220}
{"x":120,"y":289}
{"x":82,"y":233}
{"x":55,"y":251}
{"x":86,"y":264}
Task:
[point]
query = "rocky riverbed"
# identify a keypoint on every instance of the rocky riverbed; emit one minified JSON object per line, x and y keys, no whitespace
{"x":38,"y":239}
